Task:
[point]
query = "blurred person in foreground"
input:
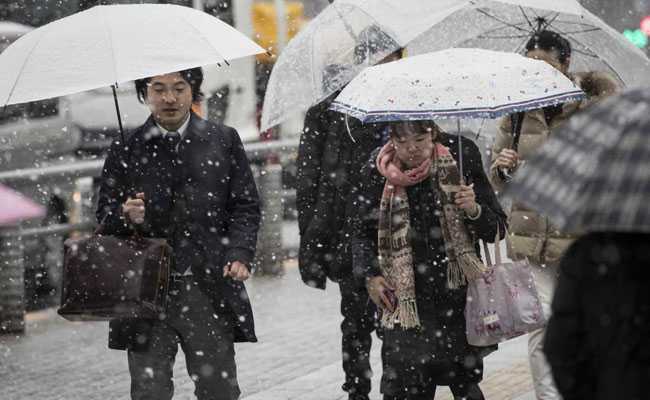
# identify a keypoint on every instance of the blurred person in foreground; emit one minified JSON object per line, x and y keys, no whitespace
{"x":531,"y":235}
{"x":333,"y":148}
{"x":415,"y":245}
{"x":598,"y":338}
{"x":187,"y":180}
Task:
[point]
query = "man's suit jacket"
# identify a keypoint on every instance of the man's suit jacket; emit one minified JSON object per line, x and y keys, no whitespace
{"x":202,"y":199}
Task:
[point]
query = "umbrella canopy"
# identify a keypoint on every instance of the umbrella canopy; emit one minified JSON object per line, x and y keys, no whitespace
{"x":106,"y":45}
{"x":339,"y":43}
{"x":507,"y":25}
{"x":467,"y":83}
{"x":15,"y":207}
{"x":594,"y":175}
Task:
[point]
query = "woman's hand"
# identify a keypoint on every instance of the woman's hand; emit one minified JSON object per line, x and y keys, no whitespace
{"x":379,"y":291}
{"x":466,"y":200}
{"x":508,"y":159}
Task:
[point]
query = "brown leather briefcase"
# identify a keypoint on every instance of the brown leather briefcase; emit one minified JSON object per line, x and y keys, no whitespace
{"x":107,"y":277}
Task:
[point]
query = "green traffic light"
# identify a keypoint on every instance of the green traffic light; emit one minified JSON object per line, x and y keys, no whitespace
{"x":637,"y":37}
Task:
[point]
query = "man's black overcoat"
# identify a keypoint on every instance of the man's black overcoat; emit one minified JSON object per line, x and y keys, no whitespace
{"x":203,"y":200}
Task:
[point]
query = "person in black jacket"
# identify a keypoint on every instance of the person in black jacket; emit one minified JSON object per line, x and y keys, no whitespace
{"x":597,"y":340}
{"x":332,"y":150}
{"x":187,"y":180}
{"x":427,"y":345}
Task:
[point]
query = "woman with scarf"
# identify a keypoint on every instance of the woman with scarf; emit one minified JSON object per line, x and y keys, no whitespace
{"x":416,"y":246}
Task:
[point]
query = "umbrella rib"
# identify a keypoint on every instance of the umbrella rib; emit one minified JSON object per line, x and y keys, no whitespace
{"x":601,"y":59}
{"x":499,"y":28}
{"x":22,"y":68}
{"x":503,"y":37}
{"x":500,"y":20}
{"x":345,"y":23}
{"x":526,"y":17}
{"x":549,"y":22}
{"x":576,"y":23}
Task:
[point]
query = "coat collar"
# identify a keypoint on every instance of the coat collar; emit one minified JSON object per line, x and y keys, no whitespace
{"x":196,"y":128}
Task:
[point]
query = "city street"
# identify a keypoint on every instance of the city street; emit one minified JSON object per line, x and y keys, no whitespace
{"x":298,"y":356}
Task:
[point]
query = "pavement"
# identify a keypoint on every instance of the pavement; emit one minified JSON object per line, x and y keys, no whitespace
{"x":298,"y":356}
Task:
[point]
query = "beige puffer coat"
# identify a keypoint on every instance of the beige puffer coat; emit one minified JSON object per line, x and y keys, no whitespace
{"x":532,"y":236}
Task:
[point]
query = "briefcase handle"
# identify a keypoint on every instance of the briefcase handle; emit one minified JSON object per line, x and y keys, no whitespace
{"x":137,"y":231}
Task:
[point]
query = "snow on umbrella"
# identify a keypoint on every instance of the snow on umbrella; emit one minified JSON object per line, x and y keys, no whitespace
{"x":15,"y":207}
{"x":454,"y":83}
{"x":594,"y":174}
{"x":108,"y":45}
{"x":507,"y":25}
{"x":336,"y":45}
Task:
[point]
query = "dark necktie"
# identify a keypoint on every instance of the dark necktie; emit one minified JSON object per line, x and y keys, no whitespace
{"x":172,"y":139}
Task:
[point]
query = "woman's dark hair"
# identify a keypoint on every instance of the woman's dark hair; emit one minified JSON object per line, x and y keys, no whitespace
{"x":193,"y":76}
{"x":404,"y":128}
{"x":550,"y":41}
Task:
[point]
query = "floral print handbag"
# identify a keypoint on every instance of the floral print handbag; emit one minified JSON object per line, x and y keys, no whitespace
{"x":503,"y":303}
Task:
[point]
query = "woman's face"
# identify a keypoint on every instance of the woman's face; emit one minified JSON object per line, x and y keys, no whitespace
{"x":414,"y":148}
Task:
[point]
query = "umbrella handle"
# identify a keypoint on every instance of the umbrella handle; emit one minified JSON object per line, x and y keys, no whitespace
{"x":460,"y":153}
{"x":119,"y":114}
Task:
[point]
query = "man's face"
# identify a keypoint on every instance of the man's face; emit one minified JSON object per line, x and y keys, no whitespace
{"x":169,"y":98}
{"x":550,"y":57}
{"x":413,"y":148}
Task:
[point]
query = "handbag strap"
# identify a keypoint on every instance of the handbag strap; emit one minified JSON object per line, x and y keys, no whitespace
{"x":497,"y":249}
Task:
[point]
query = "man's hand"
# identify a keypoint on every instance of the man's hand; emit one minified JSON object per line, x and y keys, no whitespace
{"x":237,"y":271}
{"x":465,"y":199}
{"x":133,"y":209}
{"x":378,"y":289}
{"x":508,"y":159}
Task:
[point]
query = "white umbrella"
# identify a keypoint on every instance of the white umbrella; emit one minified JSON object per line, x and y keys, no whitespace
{"x":322,"y":58}
{"x":113,"y":44}
{"x":108,"y":45}
{"x":507,"y":25}
{"x":454,"y":83}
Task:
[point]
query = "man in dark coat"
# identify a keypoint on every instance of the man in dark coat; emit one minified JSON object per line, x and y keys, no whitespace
{"x":333,"y":148}
{"x":187,"y":180}
{"x":597,"y":337}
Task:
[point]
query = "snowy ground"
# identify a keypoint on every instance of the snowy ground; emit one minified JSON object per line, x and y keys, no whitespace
{"x":298,"y":356}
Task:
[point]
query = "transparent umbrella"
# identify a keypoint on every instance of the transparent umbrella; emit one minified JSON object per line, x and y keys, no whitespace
{"x":507,"y":25}
{"x":336,"y":45}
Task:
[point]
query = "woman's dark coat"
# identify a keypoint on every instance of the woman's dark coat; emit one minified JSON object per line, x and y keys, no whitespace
{"x":598,"y":338}
{"x":215,"y":220}
{"x":438,"y":306}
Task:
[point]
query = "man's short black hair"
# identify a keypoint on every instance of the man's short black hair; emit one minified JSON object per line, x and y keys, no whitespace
{"x":193,"y":76}
{"x":550,"y":41}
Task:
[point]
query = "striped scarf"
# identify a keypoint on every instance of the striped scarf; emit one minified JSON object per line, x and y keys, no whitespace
{"x":395,"y":252}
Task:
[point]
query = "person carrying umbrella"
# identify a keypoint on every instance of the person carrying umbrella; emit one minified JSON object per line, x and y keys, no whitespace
{"x":428,"y":217}
{"x":188,"y":180}
{"x":332,"y":151}
{"x":532,"y":236}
